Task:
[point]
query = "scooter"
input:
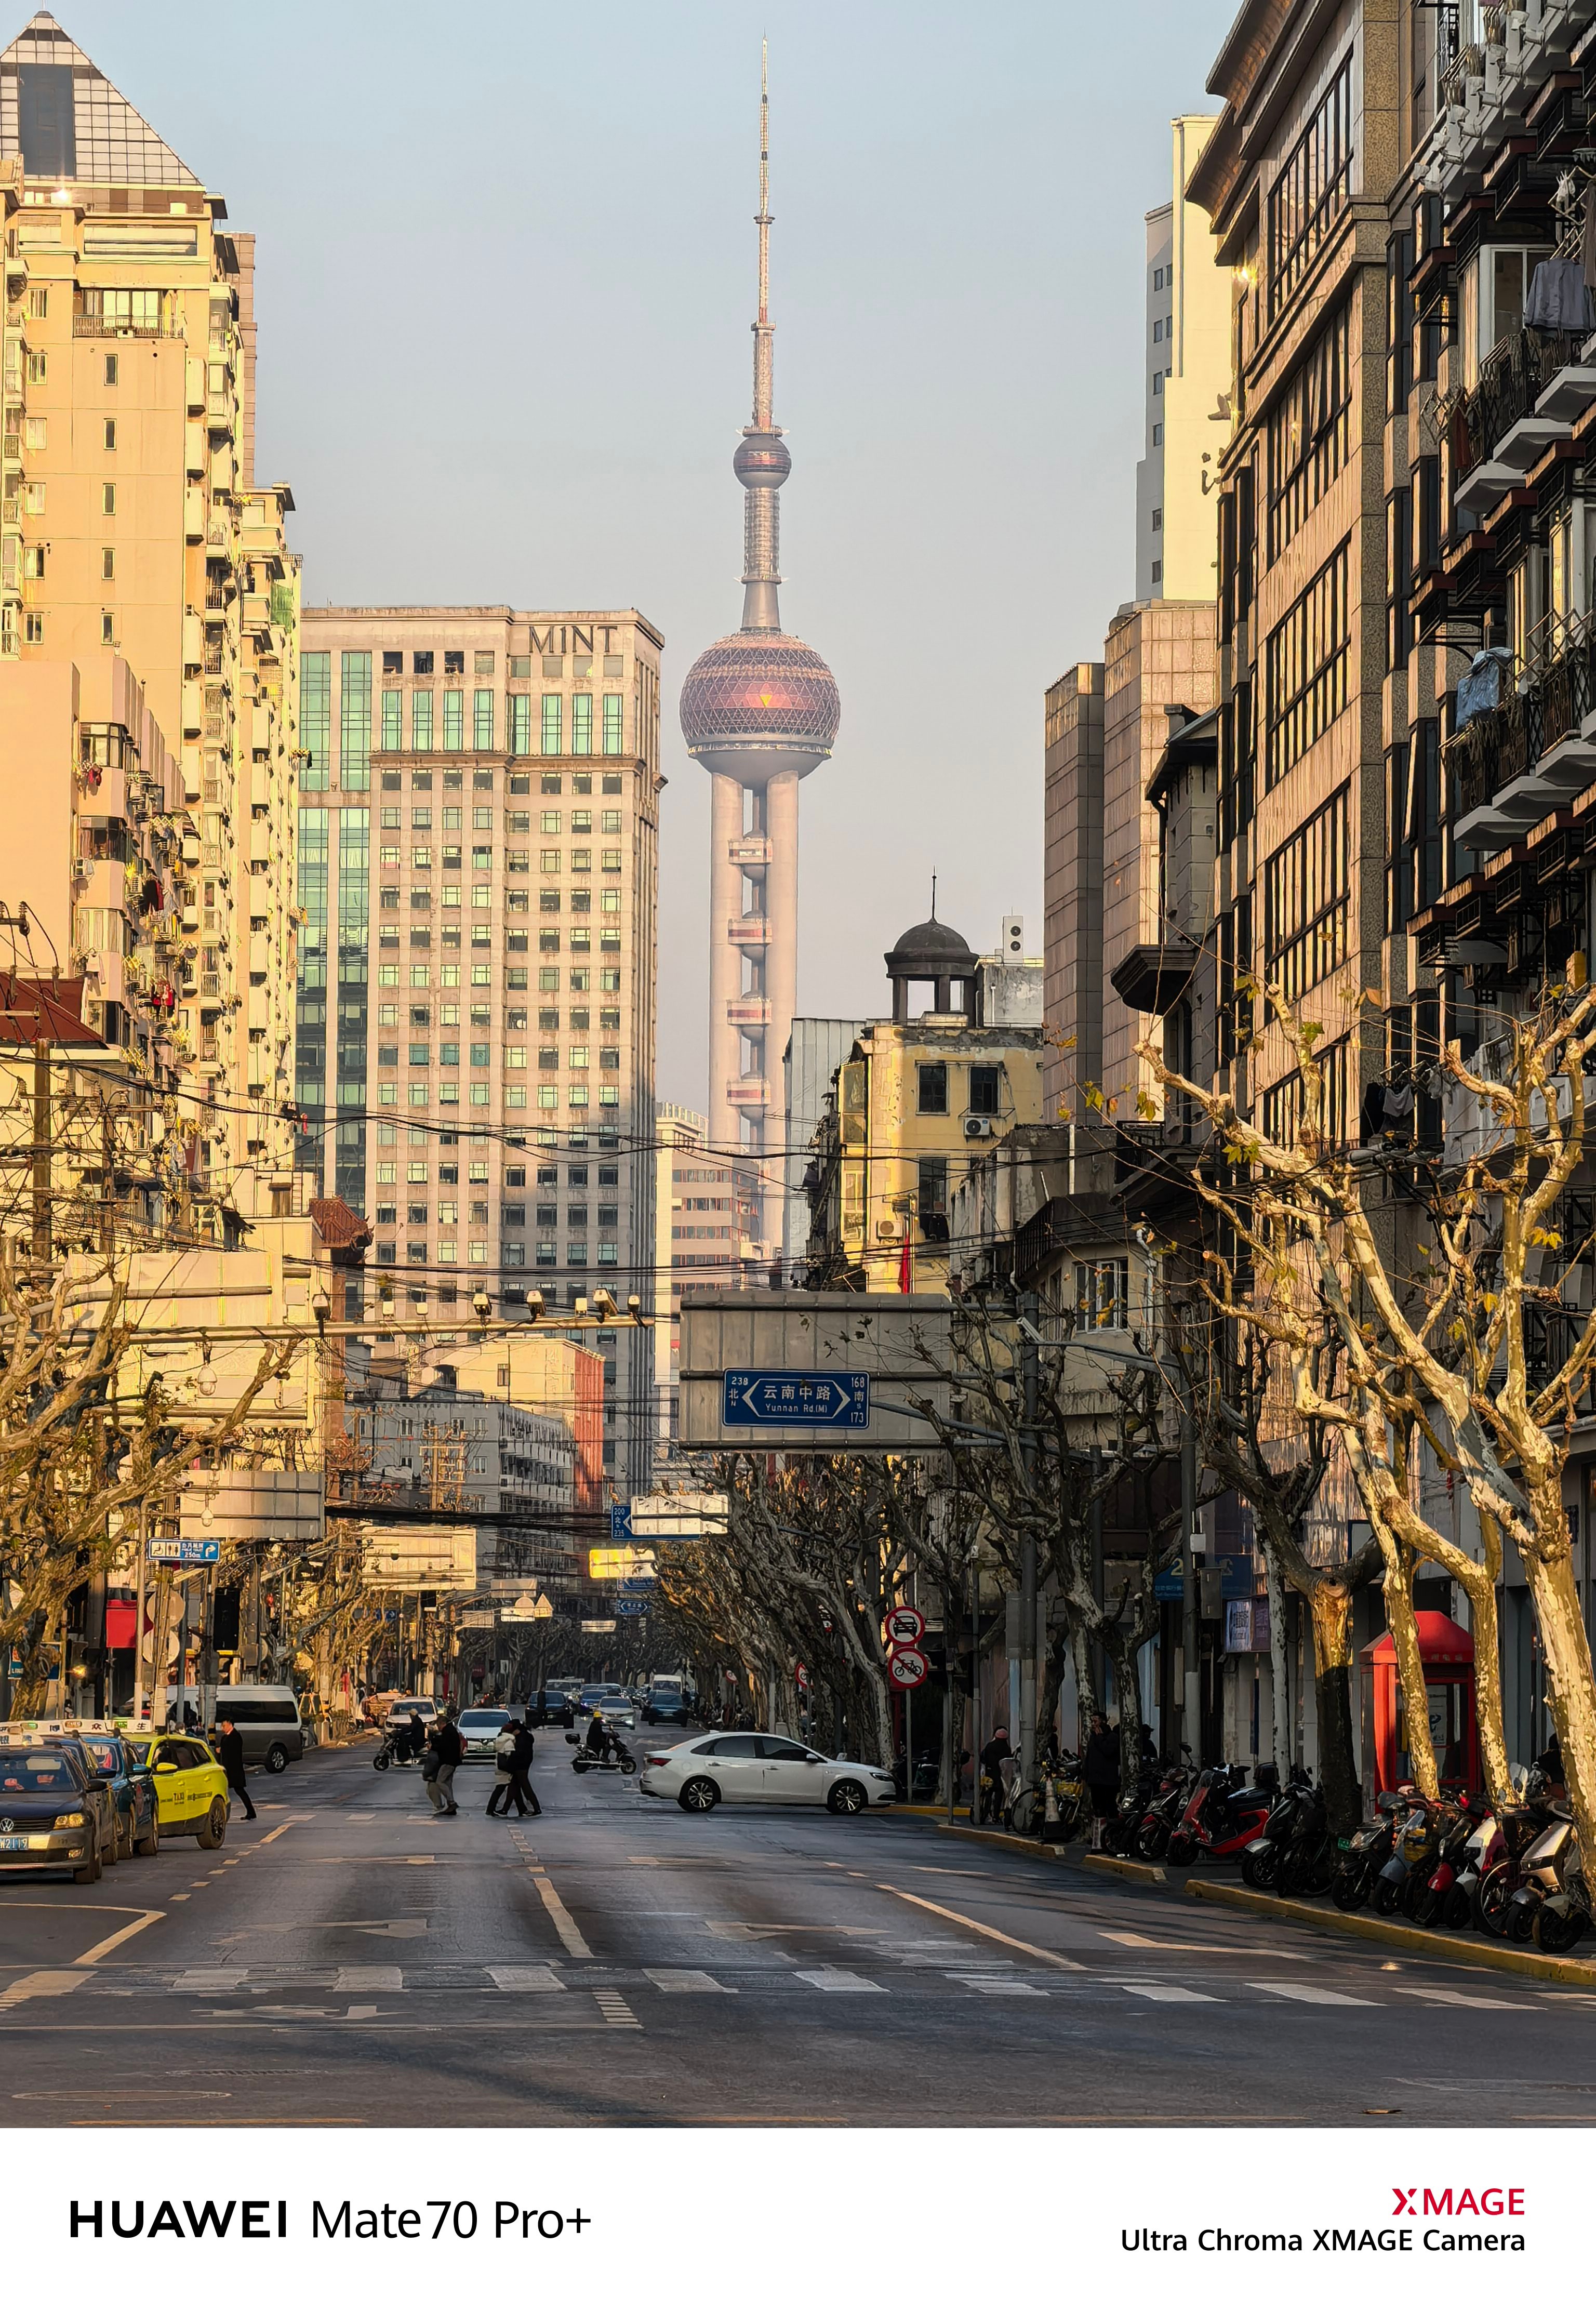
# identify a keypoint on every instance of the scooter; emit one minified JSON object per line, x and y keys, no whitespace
{"x":1118,"y":1833}
{"x":1552,"y":1904}
{"x":1164,"y":1810}
{"x":1442,"y":1898}
{"x":1364,"y":1855}
{"x":391,"y":1751}
{"x":1224,"y":1813}
{"x":1264,"y":1855}
{"x":1518,"y":1828}
{"x":616,"y":1758}
{"x":1412,"y":1856}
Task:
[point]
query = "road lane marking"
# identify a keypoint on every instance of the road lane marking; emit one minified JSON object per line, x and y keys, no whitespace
{"x":1459,"y":1998}
{"x":685,"y":1978}
{"x":1309,"y":1995}
{"x":1222,"y":1950}
{"x":211,"y":1978}
{"x":46,"y":1982}
{"x":564,"y":1924}
{"x":125,"y":1933}
{"x":838,"y":1978}
{"x":526,"y":1977}
{"x":272,"y":1834}
{"x":615,"y":2012}
{"x":1172,"y":1994}
{"x":367,"y":1978}
{"x":1009,"y":1941}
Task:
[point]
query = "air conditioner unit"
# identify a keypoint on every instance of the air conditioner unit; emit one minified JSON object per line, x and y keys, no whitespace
{"x":981,"y":1127}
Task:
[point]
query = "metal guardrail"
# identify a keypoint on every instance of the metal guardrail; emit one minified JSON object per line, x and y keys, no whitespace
{"x":1512,"y":380}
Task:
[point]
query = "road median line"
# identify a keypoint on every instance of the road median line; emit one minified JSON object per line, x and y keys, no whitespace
{"x":1444,"y":1950}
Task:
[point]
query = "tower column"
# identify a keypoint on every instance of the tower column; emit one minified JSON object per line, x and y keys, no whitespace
{"x":781,"y":885}
{"x":726,"y":963}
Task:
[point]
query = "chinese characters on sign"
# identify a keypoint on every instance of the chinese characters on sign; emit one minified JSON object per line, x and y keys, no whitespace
{"x":795,"y":1399}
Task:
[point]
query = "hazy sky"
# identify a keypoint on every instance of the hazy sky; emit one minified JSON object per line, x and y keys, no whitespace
{"x":506,"y":271}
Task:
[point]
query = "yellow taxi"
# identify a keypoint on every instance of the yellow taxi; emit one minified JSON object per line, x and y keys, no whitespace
{"x":190,"y":1787}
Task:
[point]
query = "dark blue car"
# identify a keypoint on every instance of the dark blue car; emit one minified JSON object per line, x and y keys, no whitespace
{"x":131,"y":1787}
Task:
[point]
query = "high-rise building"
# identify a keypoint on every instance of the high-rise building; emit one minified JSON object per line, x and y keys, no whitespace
{"x":478,"y":870}
{"x":759,"y":711}
{"x":1186,"y":389}
{"x":138,"y":554}
{"x":707,"y":1215}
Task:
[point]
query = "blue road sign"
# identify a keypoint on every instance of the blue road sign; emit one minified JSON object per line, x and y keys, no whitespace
{"x":637,"y":1584}
{"x":631,"y":1604}
{"x":620,"y":1521}
{"x":795,"y":1399}
{"x":183,"y":1552}
{"x":1237,"y":1579}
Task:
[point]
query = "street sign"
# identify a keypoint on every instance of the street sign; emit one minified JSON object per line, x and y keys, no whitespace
{"x":907,"y":1668}
{"x":182,"y":1552}
{"x":639,"y":1584}
{"x":478,"y":1617}
{"x":905,"y":1625}
{"x":620,"y":1521}
{"x":795,"y":1399}
{"x":631,"y":1604}
{"x":677,"y":1516}
{"x":1237,"y":1578}
{"x":618,"y":1564}
{"x":599,"y":1628}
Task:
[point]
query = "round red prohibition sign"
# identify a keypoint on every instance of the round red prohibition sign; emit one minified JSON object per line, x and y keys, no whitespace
{"x":908,"y":1668}
{"x":905,"y":1625}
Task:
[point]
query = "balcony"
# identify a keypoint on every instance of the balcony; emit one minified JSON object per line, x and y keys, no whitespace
{"x":1531,"y":754}
{"x":1154,"y":978}
{"x":1530,"y":388}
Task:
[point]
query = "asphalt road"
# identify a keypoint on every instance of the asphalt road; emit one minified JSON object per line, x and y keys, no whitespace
{"x":349,"y":1959}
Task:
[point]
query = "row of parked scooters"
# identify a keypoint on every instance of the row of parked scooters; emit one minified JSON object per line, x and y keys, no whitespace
{"x":1510,"y":1872}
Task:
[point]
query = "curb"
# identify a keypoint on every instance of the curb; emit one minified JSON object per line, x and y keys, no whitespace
{"x":1147,"y":1874}
{"x":1004,"y":1838}
{"x":1446,"y":1948}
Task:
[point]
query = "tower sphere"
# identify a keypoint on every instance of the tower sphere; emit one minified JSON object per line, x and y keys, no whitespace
{"x":763,"y":460}
{"x":760,"y":702}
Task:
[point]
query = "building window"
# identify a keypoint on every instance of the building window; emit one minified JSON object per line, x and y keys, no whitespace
{"x":581,"y":724}
{"x":986,"y":1089}
{"x":107,"y":626}
{"x":520,"y":724}
{"x":930,"y":1201}
{"x":110,"y":432}
{"x":482,"y":716}
{"x":391,"y":738}
{"x":108,"y":499}
{"x":354,"y":719}
{"x":454,"y":719}
{"x":614,"y":709}
{"x":553,"y":725}
{"x":1309,"y":430}
{"x":1305,"y":668}
{"x":933,"y":1086}
{"x":1311,"y":190}
{"x":1101,"y":1294}
{"x":316,"y":718}
{"x":1306,"y":912}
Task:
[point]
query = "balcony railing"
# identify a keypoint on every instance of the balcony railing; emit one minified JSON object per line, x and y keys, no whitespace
{"x":1512,"y":380}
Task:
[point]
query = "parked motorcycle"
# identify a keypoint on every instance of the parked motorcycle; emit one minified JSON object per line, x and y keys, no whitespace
{"x":1262,"y":1859}
{"x":1364,"y":1855}
{"x":1442,"y":1897}
{"x":1552,"y":1904}
{"x":1164,"y":1809}
{"x":1224,"y":1813}
{"x":1118,"y":1833}
{"x":1518,"y":1827}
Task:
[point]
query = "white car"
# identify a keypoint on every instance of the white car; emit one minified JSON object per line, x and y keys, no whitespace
{"x":399,"y":1713}
{"x":479,"y":1731}
{"x":761,"y":1768}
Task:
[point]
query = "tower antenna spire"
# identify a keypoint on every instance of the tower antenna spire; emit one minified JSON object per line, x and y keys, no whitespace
{"x":763,"y":382}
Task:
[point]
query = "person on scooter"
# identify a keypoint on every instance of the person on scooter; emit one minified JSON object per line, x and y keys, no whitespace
{"x":993,"y":1758}
{"x":413,"y":1737}
{"x":599,"y":1741}
{"x":1100,"y":1765}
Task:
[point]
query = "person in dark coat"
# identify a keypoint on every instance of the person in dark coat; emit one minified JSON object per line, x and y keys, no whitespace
{"x":230,"y":1756}
{"x":520,"y":1767}
{"x":1100,"y":1765}
{"x":444,"y":1752}
{"x":993,"y":1758}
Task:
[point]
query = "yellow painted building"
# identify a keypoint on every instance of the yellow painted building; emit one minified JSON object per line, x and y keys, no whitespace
{"x":917,"y":1100}
{"x":132,"y":530}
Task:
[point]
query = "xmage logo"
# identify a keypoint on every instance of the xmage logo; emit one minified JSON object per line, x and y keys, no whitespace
{"x":1490,"y":2198}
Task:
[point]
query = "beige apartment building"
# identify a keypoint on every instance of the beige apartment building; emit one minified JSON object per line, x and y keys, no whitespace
{"x":478,"y":868}
{"x":140,"y":559}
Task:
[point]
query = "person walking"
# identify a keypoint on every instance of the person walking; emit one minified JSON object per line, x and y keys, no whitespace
{"x":444,"y":1751}
{"x":230,"y":1757}
{"x":1100,"y":1766}
{"x":996,"y":1754}
{"x":504,"y":1767}
{"x":520,"y":1787}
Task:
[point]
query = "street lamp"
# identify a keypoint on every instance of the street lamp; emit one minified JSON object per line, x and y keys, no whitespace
{"x":321,"y":1308}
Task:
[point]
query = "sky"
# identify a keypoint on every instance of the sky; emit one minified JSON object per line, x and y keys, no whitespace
{"x":505,"y":273}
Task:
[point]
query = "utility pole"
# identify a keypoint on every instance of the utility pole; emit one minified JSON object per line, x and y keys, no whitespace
{"x":42,"y":1147}
{"x":1191,"y":1624}
{"x":1029,"y":1382}
{"x":108,"y":1183}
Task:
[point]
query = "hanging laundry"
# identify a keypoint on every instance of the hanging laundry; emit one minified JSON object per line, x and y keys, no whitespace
{"x":1558,"y":298}
{"x":1484,"y":685}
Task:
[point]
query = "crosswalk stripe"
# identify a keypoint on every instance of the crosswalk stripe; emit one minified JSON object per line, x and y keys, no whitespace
{"x":616,"y":2010}
{"x":526,"y":1977}
{"x":211,"y":1978}
{"x":1461,"y":1998}
{"x":1170,"y":1993}
{"x":996,"y":1986}
{"x":368,"y":1977}
{"x":1309,"y":1996}
{"x":673,"y":1978}
{"x":838,"y":1978}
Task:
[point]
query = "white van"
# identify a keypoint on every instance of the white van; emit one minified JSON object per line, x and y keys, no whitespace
{"x":265,"y":1716}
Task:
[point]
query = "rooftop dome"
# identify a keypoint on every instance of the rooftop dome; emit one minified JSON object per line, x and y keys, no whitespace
{"x":758,"y":703}
{"x":931,"y":950}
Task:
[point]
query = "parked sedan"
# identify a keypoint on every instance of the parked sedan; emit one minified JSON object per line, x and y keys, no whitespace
{"x":132,"y":1788}
{"x":48,"y":1819}
{"x":761,"y":1768}
{"x":666,"y":1704}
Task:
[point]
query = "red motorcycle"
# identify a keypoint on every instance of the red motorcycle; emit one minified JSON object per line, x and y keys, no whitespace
{"x":1224,"y":1813}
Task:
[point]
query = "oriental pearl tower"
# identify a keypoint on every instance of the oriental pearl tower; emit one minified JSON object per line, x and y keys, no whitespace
{"x":759,"y":711}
